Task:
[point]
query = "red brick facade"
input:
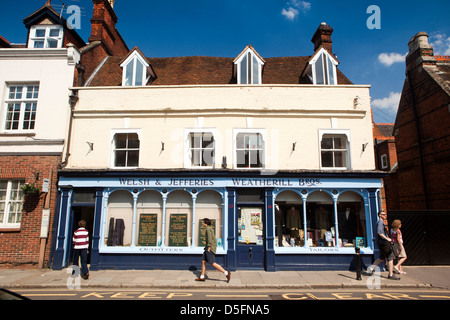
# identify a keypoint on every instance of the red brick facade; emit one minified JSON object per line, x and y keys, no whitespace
{"x":21,"y":247}
{"x":422,"y":133}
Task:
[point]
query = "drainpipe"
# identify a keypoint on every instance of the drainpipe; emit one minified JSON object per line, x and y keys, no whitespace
{"x":73,"y":99}
{"x":419,"y":140}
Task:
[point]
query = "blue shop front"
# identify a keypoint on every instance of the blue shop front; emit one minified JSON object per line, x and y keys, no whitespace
{"x":152,"y":220}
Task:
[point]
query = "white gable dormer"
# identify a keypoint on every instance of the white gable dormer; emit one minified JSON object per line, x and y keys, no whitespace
{"x":323,"y":68}
{"x":249,"y":66}
{"x":136,"y":71}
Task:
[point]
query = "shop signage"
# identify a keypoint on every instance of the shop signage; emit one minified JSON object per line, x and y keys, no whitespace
{"x":178,"y":230}
{"x":184,"y":182}
{"x":147,"y":229}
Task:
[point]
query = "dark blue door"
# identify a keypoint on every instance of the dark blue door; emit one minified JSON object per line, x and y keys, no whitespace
{"x":250,"y":240}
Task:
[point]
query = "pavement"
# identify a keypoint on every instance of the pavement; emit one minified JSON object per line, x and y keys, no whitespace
{"x":416,"y":277}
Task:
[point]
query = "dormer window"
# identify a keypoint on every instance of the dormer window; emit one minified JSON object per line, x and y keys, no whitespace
{"x":46,"y":36}
{"x":249,"y":67}
{"x":323,"y":68}
{"x":136,"y":69}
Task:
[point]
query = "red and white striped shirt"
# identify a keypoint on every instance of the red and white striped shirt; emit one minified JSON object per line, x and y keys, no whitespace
{"x":81,"y":239}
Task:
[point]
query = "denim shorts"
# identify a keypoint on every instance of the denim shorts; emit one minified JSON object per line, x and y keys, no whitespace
{"x":209,"y":257}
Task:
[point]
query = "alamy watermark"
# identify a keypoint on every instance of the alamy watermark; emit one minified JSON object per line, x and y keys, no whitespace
{"x":374,"y":21}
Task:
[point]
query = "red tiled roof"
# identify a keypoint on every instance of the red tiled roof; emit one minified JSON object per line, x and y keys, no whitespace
{"x":208,"y":70}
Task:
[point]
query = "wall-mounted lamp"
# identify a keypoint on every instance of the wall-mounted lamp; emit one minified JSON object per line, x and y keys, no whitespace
{"x":364,"y":146}
{"x":224,"y":162}
{"x":91,"y":146}
{"x":356,"y":102}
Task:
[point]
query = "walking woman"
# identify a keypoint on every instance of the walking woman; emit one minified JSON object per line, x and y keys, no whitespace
{"x":396,"y":233}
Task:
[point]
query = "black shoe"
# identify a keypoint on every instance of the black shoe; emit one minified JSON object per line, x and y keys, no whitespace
{"x":393,"y":277}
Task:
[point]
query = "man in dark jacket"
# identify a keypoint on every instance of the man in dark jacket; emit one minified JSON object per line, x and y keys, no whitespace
{"x":210,"y":251}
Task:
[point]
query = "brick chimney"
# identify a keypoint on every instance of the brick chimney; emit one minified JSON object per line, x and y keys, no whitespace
{"x":420,"y":52}
{"x":322,"y":37}
{"x":104,"y":30}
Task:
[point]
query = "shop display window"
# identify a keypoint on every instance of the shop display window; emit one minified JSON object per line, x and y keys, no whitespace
{"x":319,"y":229}
{"x":119,"y":219}
{"x":149,"y":209}
{"x":178,"y":224}
{"x":209,"y":205}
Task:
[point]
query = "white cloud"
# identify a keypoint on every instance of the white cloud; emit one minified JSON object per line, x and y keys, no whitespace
{"x":440,"y":43}
{"x":290,"y":13}
{"x":293,"y":8}
{"x":389,"y":103}
{"x":389,"y":59}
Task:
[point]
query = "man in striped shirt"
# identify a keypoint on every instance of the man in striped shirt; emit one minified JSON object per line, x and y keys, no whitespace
{"x":80,"y":248}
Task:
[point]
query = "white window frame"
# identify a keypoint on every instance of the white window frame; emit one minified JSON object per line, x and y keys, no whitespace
{"x":131,"y":61}
{"x":262,"y":132}
{"x":188,"y":148}
{"x":23,"y":102}
{"x":9,"y":203}
{"x":246,"y":54}
{"x":325,"y":70}
{"x":384,"y":161}
{"x":336,"y":132}
{"x":113,"y":147}
{"x":34,"y":38}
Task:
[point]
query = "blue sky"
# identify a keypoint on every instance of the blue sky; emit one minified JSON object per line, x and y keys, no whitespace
{"x":274,"y":28}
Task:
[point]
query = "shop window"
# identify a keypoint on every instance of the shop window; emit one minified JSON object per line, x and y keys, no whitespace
{"x":209,"y":204}
{"x":201,"y":149}
{"x":320,"y":220}
{"x":119,"y":219}
{"x":351,"y":220}
{"x":249,"y":150}
{"x":21,"y":107}
{"x":334,"y":151}
{"x":289,"y":229}
{"x":149,"y":219}
{"x":11,"y":203}
{"x":42,"y":36}
{"x":178,"y":231}
{"x":126,"y":150}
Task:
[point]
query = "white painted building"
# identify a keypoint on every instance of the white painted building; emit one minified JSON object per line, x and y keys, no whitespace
{"x":278,"y":152}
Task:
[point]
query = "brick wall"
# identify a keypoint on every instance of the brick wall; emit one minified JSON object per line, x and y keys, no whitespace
{"x":20,"y":248}
{"x":433,"y":116}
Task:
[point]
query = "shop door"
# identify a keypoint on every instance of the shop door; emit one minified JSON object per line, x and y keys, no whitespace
{"x":250,"y":246}
{"x":86,"y":214}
